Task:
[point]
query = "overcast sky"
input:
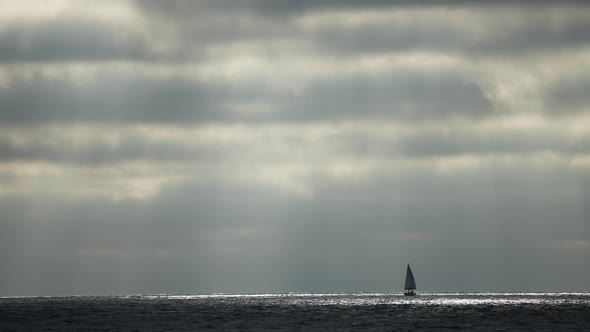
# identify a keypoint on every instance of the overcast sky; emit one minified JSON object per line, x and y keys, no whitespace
{"x":311,"y":146}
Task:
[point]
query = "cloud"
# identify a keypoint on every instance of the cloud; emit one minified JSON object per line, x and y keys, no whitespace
{"x":111,"y":98}
{"x":456,"y":31}
{"x":72,"y":40}
{"x":344,"y":28}
{"x":412,"y":94}
{"x":260,"y":146}
{"x":136,"y":161}
{"x":108,"y":98}
{"x":183,"y":7}
{"x":568,"y":96}
{"x":281,"y":242}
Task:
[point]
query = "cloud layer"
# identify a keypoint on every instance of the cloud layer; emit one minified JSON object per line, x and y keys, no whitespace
{"x":272,"y":146}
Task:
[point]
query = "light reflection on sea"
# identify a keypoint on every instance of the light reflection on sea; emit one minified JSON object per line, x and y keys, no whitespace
{"x":300,"y":311}
{"x":423,"y":299}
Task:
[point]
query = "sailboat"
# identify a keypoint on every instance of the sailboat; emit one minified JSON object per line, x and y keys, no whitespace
{"x":410,"y":283}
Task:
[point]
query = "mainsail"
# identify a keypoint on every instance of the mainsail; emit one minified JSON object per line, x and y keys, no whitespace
{"x":410,"y":282}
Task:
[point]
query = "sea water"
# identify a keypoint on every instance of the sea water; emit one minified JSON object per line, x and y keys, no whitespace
{"x":260,"y":312}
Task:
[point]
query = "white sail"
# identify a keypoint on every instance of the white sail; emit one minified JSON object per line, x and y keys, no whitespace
{"x":410,"y":281}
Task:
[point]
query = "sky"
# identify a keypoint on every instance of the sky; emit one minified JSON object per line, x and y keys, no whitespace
{"x":263,"y":146}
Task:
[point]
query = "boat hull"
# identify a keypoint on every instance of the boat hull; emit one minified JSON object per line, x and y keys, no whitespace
{"x":410,"y":293}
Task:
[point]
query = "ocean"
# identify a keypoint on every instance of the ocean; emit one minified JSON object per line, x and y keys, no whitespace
{"x":303,"y":312}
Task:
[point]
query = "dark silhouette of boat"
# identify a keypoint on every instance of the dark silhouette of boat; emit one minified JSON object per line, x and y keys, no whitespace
{"x":410,"y":283}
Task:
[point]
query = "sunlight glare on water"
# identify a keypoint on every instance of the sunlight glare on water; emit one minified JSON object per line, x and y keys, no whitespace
{"x":424,"y":299}
{"x":297,"y":311}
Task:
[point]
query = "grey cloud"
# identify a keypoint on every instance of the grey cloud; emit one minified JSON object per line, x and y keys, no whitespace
{"x":502,"y":36}
{"x":131,"y":148}
{"x":121,"y":98}
{"x":531,"y":36}
{"x":411,"y":95}
{"x":71,"y":40}
{"x":61,"y":149}
{"x":463,"y":229}
{"x":179,"y":8}
{"x":191,"y":225}
{"x":270,"y":242}
{"x":568,"y":96}
{"x":507,"y":141}
{"x":388,"y":38}
{"x":108,"y":98}
{"x":455,"y":142}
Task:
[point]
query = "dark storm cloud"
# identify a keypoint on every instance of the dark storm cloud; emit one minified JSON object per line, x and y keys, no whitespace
{"x":71,"y":40}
